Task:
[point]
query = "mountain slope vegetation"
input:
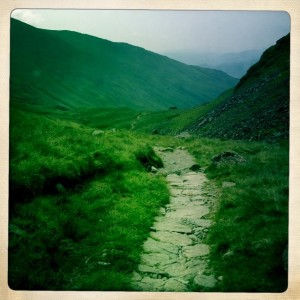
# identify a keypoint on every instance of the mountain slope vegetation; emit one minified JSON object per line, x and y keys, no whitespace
{"x":258,"y":108}
{"x":68,"y":69}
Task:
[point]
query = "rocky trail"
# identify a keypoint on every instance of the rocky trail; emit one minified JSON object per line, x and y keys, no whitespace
{"x":175,"y":256}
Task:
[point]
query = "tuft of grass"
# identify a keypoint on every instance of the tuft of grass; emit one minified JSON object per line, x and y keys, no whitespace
{"x":148,"y":158}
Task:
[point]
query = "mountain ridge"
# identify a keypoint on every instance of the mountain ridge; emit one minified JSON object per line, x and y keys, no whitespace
{"x":78,"y":70}
{"x":235,"y":64}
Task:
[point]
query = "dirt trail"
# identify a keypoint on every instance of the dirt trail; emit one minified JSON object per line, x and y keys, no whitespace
{"x":175,"y":257}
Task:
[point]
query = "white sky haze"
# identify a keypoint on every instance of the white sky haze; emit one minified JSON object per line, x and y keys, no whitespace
{"x":165,"y":31}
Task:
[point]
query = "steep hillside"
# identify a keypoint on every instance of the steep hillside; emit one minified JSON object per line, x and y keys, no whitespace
{"x":258,"y":109}
{"x":67,"y":69}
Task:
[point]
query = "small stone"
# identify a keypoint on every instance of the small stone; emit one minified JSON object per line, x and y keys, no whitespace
{"x":220,"y":278}
{"x":136,"y":276}
{"x":97,"y":132}
{"x":227,"y":184}
{"x":168,"y":149}
{"x":153,"y":169}
{"x":205,"y":281}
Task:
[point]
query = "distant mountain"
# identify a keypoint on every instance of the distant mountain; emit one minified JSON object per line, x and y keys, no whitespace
{"x":234,"y":64}
{"x":66,"y":69}
{"x":258,"y":107}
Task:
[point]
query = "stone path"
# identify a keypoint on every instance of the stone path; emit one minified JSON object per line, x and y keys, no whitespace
{"x":175,"y":258}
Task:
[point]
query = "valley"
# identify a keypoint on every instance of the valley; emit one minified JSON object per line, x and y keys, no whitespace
{"x":109,"y":142}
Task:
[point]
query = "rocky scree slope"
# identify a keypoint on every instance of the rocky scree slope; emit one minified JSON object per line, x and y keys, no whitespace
{"x":258,"y":108}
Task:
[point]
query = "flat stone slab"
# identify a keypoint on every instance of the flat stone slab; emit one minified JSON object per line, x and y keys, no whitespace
{"x":202,"y":222}
{"x":154,"y":259}
{"x":173,"y":285}
{"x":154,"y":284}
{"x":159,"y":247}
{"x":205,"y":281}
{"x":198,"y":250}
{"x":192,"y":212}
{"x":179,"y":201}
{"x":136,"y":276}
{"x":172,"y":238}
{"x":198,"y":263}
{"x":169,"y":225}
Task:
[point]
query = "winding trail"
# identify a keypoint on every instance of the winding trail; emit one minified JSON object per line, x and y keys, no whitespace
{"x":175,"y":257}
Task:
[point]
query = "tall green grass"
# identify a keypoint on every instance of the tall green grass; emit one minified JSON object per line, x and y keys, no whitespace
{"x":80,"y":205}
{"x":250,"y":229}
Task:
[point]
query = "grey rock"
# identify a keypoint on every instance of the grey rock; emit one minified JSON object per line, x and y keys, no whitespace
{"x":172,"y":238}
{"x":228,"y":184}
{"x":196,"y":250}
{"x":148,"y":269}
{"x":173,"y":285}
{"x":228,"y":157}
{"x":153,"y":283}
{"x":168,"y":149}
{"x":159,"y":247}
{"x":97,"y":132}
{"x":136,"y":276}
{"x":153,"y":169}
{"x":154,"y":259}
{"x":205,"y":281}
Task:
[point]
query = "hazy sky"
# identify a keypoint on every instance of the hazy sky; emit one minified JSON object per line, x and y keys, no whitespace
{"x":165,"y":31}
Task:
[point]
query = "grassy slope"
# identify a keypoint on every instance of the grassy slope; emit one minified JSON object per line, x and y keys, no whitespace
{"x":76,"y":70}
{"x":77,"y":196}
{"x":174,"y":121}
{"x":250,"y":230}
{"x":103,"y":217}
{"x":258,"y":109}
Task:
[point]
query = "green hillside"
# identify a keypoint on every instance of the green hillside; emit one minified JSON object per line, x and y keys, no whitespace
{"x":68,"y":69}
{"x":258,"y":108}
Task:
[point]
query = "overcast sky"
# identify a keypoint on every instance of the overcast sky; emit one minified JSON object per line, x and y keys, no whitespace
{"x":165,"y":31}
